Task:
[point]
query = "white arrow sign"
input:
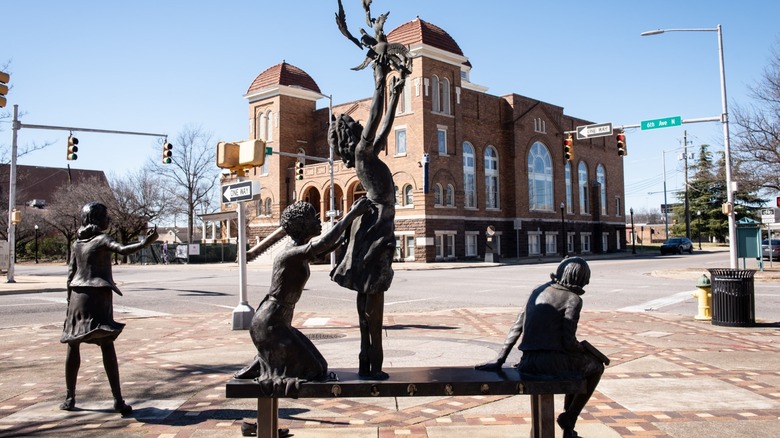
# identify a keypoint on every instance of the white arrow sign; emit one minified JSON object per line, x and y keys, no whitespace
{"x":591,"y":131}
{"x":243,"y":191}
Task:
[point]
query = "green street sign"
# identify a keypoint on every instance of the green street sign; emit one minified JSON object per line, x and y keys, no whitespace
{"x":667,"y":122}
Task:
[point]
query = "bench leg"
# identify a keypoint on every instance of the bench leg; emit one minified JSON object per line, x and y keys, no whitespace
{"x":267,"y":417}
{"x":543,"y":416}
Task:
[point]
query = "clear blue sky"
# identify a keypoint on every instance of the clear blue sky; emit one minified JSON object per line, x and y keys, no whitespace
{"x":157,"y":66}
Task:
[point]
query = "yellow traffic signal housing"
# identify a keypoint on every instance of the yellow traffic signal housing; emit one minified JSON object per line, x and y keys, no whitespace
{"x":240,"y":155}
{"x":4,"y":79}
{"x":568,"y":148}
{"x":621,"y":144}
{"x":72,"y":148}
{"x":167,"y":153}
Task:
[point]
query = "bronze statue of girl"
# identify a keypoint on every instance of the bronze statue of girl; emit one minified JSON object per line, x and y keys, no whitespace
{"x":90,"y":315}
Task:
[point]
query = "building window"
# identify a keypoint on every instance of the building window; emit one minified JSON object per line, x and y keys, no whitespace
{"x":540,"y":126}
{"x":534,"y":243}
{"x":471,"y":245}
{"x":435,"y":94}
{"x":601,"y":178}
{"x":540,"y":178}
{"x":400,"y":141}
{"x":444,"y":92}
{"x":570,"y":243}
{"x":269,"y":132}
{"x":569,"y":200}
{"x":445,"y":246}
{"x":268,"y":207}
{"x":437,"y":194}
{"x":409,"y":248}
{"x":408,"y":195}
{"x":585,"y":242}
{"x":450,"y":197}
{"x":551,"y":243}
{"x":260,"y":126}
{"x":604,"y":242}
{"x":442,"y":140}
{"x":618,"y":238}
{"x":583,"y":186}
{"x":617,"y":206}
{"x":405,"y":102}
{"x":491,"y":178}
{"x":469,"y":177}
{"x":395,"y":191}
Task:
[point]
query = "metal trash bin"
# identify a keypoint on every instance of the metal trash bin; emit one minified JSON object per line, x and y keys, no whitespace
{"x":733,"y":297}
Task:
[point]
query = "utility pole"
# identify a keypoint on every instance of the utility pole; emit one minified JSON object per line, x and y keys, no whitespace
{"x":687,"y":204}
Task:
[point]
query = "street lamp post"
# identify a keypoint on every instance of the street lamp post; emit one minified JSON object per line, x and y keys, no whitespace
{"x":563,"y":233}
{"x":36,"y":243}
{"x":698,"y":228}
{"x":724,"y":119}
{"x":633,"y":232}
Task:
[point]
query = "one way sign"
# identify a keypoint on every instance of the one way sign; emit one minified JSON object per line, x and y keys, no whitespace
{"x":243,"y":191}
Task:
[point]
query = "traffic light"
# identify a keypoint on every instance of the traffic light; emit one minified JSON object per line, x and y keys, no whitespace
{"x":778,"y":202}
{"x":72,"y":148}
{"x":167,"y":153}
{"x":568,"y":148}
{"x":299,"y":170}
{"x":4,"y":79}
{"x":621,"y":144}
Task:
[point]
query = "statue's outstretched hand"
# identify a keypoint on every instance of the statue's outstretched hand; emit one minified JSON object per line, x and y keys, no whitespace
{"x":362,"y":205}
{"x":151,"y":235}
{"x":489,"y":366}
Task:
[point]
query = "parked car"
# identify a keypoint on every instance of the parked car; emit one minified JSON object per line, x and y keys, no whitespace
{"x":677,"y":245}
{"x":774,"y":252}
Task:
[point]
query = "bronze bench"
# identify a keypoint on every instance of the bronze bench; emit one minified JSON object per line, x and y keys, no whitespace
{"x":415,"y":382}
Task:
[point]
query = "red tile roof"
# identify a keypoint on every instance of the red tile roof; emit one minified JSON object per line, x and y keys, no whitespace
{"x":284,"y":74}
{"x":420,"y":31}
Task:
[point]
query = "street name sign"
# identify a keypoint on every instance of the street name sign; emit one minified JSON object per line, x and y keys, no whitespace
{"x":242,"y":191}
{"x":667,"y":122}
{"x":591,"y":131}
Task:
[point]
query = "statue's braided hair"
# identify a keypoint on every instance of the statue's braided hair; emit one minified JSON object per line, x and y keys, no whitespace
{"x":293,"y":218}
{"x":573,"y":273}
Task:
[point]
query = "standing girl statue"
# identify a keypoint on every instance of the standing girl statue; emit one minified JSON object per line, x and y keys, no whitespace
{"x":90,"y":316}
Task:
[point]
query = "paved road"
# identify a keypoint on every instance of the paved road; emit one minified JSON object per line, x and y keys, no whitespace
{"x":654,"y":284}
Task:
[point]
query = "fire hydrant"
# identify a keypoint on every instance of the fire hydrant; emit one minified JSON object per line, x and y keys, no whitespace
{"x":704,"y":286}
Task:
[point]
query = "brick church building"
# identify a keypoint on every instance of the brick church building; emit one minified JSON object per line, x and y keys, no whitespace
{"x":462,"y":160}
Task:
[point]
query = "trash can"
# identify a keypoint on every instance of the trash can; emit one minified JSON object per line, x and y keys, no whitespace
{"x":733,"y":297}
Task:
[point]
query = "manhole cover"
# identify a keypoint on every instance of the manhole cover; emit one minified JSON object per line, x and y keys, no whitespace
{"x":324,"y":336}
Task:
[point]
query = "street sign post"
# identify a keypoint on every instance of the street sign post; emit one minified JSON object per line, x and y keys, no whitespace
{"x":667,"y":122}
{"x":242,"y":191}
{"x":591,"y":131}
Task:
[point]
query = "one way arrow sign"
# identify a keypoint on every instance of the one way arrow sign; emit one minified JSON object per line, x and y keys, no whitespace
{"x":243,"y":191}
{"x":591,"y":131}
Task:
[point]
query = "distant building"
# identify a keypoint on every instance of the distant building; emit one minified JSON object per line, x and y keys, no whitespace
{"x":35,"y":185}
{"x":462,"y":160}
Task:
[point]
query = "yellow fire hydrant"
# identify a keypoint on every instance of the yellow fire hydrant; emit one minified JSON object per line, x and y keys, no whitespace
{"x":704,"y":286}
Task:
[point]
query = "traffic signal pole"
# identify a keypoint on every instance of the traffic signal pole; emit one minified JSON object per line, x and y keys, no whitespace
{"x":16,"y":125}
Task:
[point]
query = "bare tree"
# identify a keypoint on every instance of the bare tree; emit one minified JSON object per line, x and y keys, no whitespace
{"x":757,"y":144}
{"x":64,"y":214}
{"x":138,"y":200}
{"x":193,"y":175}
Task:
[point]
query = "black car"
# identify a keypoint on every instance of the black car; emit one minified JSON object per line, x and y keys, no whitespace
{"x":774,"y":252}
{"x":677,"y":245}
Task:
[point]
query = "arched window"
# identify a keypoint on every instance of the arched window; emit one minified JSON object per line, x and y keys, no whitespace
{"x":260,"y":126}
{"x":582,"y":182}
{"x":491,"y":178}
{"x":269,"y":133}
{"x":437,"y":194}
{"x":395,"y":195}
{"x":601,"y":178}
{"x":444,"y":96}
{"x":569,"y":200}
{"x":469,"y":176}
{"x":540,"y":178}
{"x":268,"y":207}
{"x":435,"y":93}
{"x":408,"y":195}
{"x":450,"y":196}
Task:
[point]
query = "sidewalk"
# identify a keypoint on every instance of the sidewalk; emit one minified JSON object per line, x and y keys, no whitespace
{"x":670,"y":376}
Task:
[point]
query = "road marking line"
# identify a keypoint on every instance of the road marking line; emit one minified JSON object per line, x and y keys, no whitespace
{"x":134,"y":311}
{"x":660,"y":302}
{"x":409,"y":301}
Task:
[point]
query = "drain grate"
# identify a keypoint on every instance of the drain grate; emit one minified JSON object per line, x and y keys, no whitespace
{"x":325,"y":336}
